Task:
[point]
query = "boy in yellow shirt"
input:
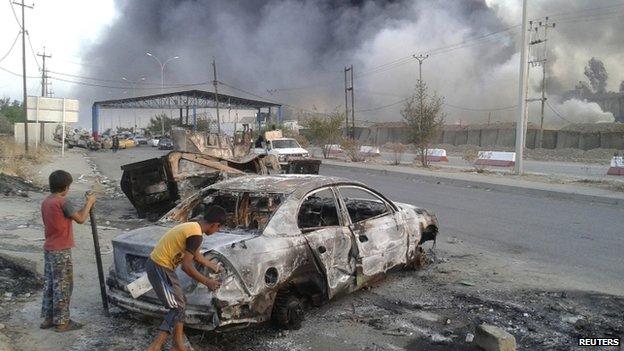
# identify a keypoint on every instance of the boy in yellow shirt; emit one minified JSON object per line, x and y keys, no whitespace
{"x":181,"y":244}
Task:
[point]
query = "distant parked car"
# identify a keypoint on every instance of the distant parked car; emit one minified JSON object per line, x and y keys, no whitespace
{"x":165,"y":144}
{"x":153,"y":142}
{"x":140,"y":139}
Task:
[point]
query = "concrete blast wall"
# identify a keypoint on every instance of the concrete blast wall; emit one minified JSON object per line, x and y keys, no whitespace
{"x":45,"y":131}
{"x":501,"y":137}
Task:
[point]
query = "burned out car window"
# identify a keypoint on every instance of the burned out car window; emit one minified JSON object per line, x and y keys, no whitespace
{"x":362,"y":204}
{"x":245,"y":210}
{"x":318,"y":210}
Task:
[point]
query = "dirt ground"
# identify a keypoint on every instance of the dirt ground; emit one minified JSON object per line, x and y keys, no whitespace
{"x":435,"y":308}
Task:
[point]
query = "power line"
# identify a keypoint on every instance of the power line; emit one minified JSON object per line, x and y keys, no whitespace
{"x":11,"y":48}
{"x":17,"y":74}
{"x":480,"y":109}
{"x":15,"y":14}
{"x":32,"y":50}
{"x":556,"y":112}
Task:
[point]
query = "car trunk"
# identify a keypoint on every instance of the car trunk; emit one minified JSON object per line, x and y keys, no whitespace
{"x":132,"y":249}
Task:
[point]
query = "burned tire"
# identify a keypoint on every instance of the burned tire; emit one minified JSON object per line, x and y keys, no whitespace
{"x":287,"y":310}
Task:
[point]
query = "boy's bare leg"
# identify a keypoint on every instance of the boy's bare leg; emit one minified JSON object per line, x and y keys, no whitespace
{"x":178,"y":337}
{"x":159,"y":341}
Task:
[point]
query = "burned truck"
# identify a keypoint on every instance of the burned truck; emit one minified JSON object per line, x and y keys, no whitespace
{"x":154,"y":186}
{"x":289,"y":242}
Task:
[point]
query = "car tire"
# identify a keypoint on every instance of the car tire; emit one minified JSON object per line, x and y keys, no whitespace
{"x":419,"y":261}
{"x":287,"y":310}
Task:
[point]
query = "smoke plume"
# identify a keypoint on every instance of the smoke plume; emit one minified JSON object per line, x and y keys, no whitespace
{"x":294,"y":51}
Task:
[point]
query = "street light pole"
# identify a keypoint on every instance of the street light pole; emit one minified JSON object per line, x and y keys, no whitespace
{"x":133,"y":83}
{"x":522,"y":84}
{"x":162,"y":83}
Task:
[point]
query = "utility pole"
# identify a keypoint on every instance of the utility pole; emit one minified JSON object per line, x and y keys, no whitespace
{"x":420,"y":59}
{"x":44,"y":74}
{"x":349,"y":88}
{"x":489,"y":117}
{"x":44,"y":93}
{"x":215,"y":82}
{"x":346,"y":91}
{"x":522,"y":84}
{"x":25,"y":103}
{"x":352,"y":107}
{"x":545,"y":26}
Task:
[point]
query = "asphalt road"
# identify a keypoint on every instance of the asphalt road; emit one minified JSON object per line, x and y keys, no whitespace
{"x":572,"y":237}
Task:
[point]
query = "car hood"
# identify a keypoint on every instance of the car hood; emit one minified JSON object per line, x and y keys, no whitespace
{"x":291,"y":150}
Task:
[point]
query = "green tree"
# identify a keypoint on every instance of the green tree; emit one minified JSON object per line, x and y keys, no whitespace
{"x":425,"y":118}
{"x":596,"y":73}
{"x":12,"y":110}
{"x":324,"y":130}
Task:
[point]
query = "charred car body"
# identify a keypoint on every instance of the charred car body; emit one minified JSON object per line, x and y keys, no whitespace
{"x":289,"y":241}
{"x":154,"y":186}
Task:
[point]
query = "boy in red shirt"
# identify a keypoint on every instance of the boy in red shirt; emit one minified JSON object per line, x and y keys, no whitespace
{"x":58,"y":213}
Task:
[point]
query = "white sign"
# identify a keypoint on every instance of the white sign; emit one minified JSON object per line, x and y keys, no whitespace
{"x":44,"y":109}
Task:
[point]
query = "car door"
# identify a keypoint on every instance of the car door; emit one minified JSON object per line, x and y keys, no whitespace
{"x":379,"y":233}
{"x":328,"y":238}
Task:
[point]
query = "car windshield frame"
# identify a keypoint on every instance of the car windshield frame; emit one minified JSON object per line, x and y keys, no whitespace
{"x":293,"y":144}
{"x":198,"y":199}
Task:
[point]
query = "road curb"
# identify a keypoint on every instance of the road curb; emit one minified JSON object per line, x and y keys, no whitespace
{"x":513,"y":189}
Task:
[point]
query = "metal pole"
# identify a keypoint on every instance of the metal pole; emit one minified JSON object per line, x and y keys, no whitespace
{"x":523,"y":75}
{"x":215,"y":83}
{"x":25,"y":103}
{"x":346,"y":104}
{"x":98,"y":261}
{"x":63,"y":131}
{"x":162,"y":90}
{"x":37,"y":134}
{"x":352,"y":107}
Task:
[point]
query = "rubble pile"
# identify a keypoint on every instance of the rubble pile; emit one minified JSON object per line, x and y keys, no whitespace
{"x":15,"y":186}
{"x":16,"y":281}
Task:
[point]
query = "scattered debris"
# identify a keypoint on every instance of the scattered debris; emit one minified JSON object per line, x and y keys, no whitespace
{"x":492,"y":338}
{"x":15,"y":186}
{"x":467,"y":283}
{"x":469,"y":337}
{"x":16,"y":279}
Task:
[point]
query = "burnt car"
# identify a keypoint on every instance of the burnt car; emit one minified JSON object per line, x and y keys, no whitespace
{"x":289,"y":242}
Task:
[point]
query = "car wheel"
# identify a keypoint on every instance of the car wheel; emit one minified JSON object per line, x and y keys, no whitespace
{"x":287,"y":310}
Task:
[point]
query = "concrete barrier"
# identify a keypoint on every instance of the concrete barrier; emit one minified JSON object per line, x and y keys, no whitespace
{"x":334,"y":150}
{"x":496,"y":158}
{"x":436,"y":155}
{"x":366,"y":150}
{"x":617,"y":166}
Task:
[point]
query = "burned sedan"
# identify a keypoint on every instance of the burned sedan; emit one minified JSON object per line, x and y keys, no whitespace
{"x":290,"y":241}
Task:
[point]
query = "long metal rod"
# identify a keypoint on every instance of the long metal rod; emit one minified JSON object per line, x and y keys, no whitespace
{"x":98,"y":261}
{"x":523,"y":75}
